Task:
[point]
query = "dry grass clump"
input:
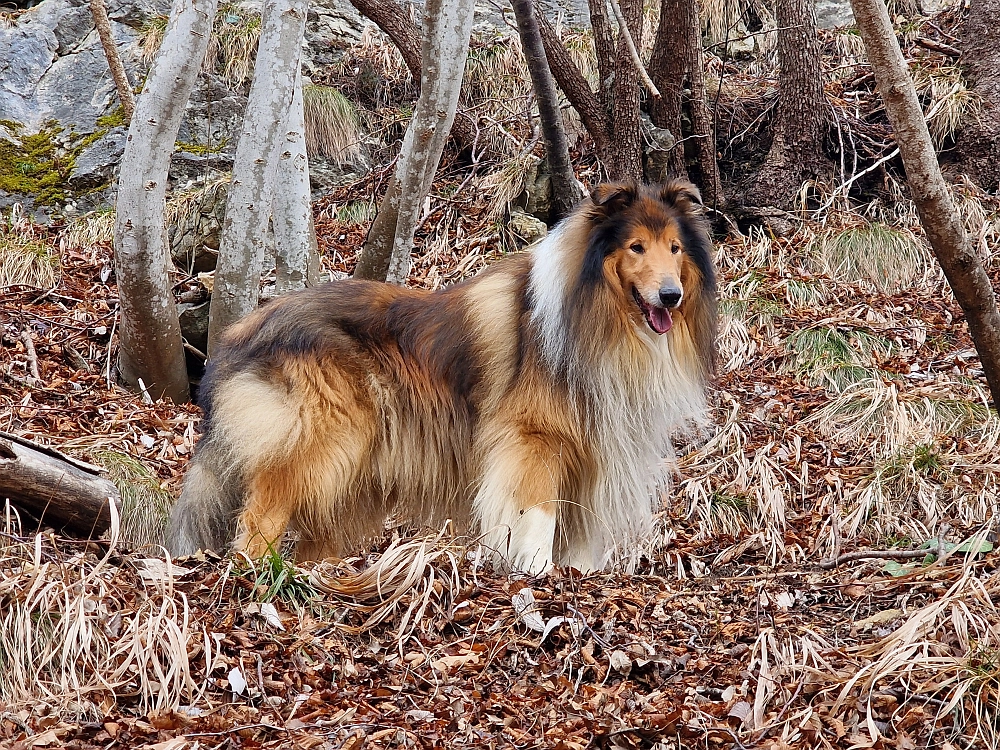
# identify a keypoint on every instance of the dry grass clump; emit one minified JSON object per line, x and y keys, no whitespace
{"x":333,"y":129}
{"x":76,"y":630}
{"x":875,"y":255}
{"x":145,"y":505}
{"x":94,"y":228}
{"x":948,"y":100}
{"x":26,"y":259}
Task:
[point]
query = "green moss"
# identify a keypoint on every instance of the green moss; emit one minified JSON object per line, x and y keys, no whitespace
{"x":199,"y":149}
{"x":36,"y":164}
{"x":114,"y":119}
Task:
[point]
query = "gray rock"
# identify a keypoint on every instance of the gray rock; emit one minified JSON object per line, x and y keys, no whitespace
{"x":137,"y":13}
{"x":27,"y":50}
{"x":194,"y":324}
{"x":194,"y":241}
{"x":658,"y":141}
{"x":833,"y":13}
{"x":96,"y":165}
{"x":525,"y":227}
{"x":69,"y":20}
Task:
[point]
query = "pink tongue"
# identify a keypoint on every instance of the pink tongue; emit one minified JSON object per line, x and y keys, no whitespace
{"x":660,"y":319}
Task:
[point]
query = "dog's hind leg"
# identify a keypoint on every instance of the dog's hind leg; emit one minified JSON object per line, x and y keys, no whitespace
{"x":269,"y":506}
{"x":517,"y":506}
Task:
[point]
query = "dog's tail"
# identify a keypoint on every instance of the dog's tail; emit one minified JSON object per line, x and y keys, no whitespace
{"x":205,"y":515}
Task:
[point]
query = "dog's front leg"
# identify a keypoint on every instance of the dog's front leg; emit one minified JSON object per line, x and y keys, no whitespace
{"x":518,"y":504}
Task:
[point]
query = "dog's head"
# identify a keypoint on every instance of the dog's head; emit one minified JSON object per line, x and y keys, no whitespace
{"x":651,"y":245}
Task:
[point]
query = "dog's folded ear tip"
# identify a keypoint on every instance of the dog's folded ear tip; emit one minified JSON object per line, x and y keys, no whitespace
{"x":675,"y":191}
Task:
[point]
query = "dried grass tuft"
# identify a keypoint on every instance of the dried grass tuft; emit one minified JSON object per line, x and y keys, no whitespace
{"x":74,"y":633}
{"x":874,"y":255}
{"x":26,"y":259}
{"x":145,"y":505}
{"x":333,"y":129}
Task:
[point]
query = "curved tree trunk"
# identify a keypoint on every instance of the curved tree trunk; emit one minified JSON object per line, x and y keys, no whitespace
{"x":593,"y":113}
{"x":296,"y":252}
{"x":394,"y":21}
{"x":566,"y":193}
{"x":151,"y":347}
{"x":796,"y":152}
{"x":938,"y":213}
{"x":978,"y":143}
{"x":702,"y":125}
{"x":447,"y":28}
{"x":626,"y":147}
{"x":250,"y":199}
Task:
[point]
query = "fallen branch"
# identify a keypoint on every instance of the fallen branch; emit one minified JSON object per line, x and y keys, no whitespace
{"x":940,"y":47}
{"x":875,"y":554}
{"x":29,"y":349}
{"x":55,"y":489}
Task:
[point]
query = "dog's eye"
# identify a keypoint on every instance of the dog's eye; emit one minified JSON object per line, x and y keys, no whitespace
{"x":637,"y":248}
{"x":675,"y":248}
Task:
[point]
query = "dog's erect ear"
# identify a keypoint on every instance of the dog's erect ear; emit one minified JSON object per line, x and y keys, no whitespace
{"x":614,"y":197}
{"x":680,"y":193}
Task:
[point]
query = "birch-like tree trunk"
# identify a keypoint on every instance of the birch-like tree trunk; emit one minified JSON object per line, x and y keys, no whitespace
{"x":447,"y":28}
{"x":935,"y":206}
{"x":565,"y":191}
{"x":248,"y":207}
{"x":151,"y":346}
{"x":296,"y":252}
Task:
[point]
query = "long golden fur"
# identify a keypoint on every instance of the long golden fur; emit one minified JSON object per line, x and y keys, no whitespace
{"x":533,"y":404}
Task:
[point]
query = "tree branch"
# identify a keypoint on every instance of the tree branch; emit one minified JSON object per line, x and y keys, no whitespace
{"x":633,"y":52}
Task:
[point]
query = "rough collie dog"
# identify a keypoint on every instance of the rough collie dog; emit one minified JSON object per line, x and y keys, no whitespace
{"x":534,"y":403}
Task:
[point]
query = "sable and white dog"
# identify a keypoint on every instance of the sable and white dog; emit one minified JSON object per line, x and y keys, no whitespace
{"x":534,"y":403}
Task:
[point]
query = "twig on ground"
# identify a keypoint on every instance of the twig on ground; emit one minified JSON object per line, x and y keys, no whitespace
{"x":29,"y":349}
{"x":940,"y":47}
{"x":875,"y":554}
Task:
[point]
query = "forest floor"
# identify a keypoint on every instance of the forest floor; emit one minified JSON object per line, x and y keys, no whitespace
{"x":848,"y":415}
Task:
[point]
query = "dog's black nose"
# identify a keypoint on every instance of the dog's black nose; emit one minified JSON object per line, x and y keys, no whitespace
{"x":670,"y":296}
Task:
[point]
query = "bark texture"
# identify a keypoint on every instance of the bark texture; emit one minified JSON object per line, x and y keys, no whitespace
{"x":250,"y":199}
{"x":566,"y":193}
{"x":593,"y":112}
{"x":56,"y":490}
{"x":796,"y":152}
{"x":678,"y":59}
{"x":150,"y":335}
{"x":447,"y":28}
{"x":978,"y":143}
{"x":626,"y":147}
{"x":296,"y":252}
{"x":115,"y":64}
{"x":938,"y":213}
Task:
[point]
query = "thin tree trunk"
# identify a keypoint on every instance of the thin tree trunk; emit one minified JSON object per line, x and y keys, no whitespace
{"x":702,"y":125}
{"x":296,"y":251}
{"x":394,"y":21}
{"x":626,"y":147}
{"x":938,"y":213}
{"x":447,"y":28}
{"x":604,"y":50}
{"x":565,"y":192}
{"x":796,"y":152}
{"x":978,"y":142}
{"x":103,"y":24}
{"x":151,"y":347}
{"x":250,"y":199}
{"x":668,"y":68}
{"x":592,"y":111}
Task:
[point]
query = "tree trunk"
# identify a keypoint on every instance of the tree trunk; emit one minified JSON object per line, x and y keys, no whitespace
{"x":394,"y":21}
{"x":796,"y":154}
{"x":565,"y":192}
{"x":668,"y":69}
{"x":978,"y":143}
{"x":447,"y":28}
{"x":605,"y":51}
{"x":296,"y":251}
{"x":250,"y":199}
{"x":938,"y":214}
{"x":115,"y":65}
{"x":151,"y":347}
{"x":626,"y":147}
{"x":56,"y":490}
{"x":702,"y":124}
{"x":593,"y":113}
